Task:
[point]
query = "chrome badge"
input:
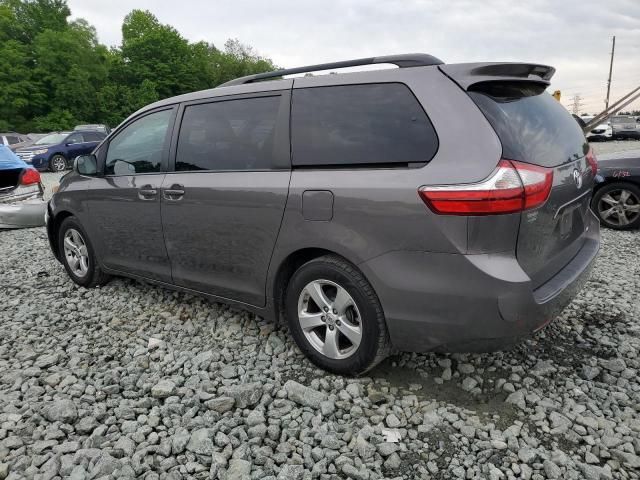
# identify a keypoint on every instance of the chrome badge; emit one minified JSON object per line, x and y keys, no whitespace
{"x":577,"y":178}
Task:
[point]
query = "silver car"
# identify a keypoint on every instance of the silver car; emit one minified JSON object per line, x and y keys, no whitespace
{"x":426,"y":207}
{"x":21,"y":193}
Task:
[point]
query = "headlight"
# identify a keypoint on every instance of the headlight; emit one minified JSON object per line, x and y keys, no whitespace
{"x":40,"y":152}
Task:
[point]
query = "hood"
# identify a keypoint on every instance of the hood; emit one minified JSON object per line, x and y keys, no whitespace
{"x":31,"y":148}
{"x":9,"y":160}
{"x":628,"y":159}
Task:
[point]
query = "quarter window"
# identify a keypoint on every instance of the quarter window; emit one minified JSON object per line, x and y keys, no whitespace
{"x":228,"y":135}
{"x":138,"y":147}
{"x":360,"y":124}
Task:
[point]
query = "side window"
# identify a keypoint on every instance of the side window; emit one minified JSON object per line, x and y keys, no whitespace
{"x":360,"y":124}
{"x":93,"y":137}
{"x":228,"y":135}
{"x":12,"y":140}
{"x":75,"y":138}
{"x":138,"y":147}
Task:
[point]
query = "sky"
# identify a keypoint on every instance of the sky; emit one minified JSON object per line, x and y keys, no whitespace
{"x":574,"y":36}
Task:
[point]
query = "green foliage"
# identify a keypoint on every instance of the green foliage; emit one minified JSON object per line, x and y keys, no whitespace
{"x":54,"y":73}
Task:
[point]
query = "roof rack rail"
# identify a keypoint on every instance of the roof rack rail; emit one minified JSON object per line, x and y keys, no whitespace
{"x":402,"y":61}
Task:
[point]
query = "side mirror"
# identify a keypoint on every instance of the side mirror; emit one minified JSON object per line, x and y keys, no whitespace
{"x":86,"y":165}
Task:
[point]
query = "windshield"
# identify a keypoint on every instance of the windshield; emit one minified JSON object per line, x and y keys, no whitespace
{"x":51,"y":139}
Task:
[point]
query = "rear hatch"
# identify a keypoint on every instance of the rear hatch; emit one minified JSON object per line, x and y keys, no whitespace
{"x":534,"y":128}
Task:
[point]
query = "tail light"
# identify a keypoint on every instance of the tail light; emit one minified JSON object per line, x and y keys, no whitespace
{"x":512,"y":187}
{"x":29,"y":177}
{"x":592,"y":161}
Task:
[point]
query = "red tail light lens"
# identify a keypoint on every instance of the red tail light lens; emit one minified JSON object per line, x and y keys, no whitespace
{"x":512,"y":187}
{"x":29,"y":177}
{"x":592,"y":161}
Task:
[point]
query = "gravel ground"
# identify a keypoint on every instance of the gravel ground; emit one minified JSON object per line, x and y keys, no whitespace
{"x":134,"y":381}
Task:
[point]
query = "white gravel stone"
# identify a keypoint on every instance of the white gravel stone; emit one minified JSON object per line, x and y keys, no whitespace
{"x":228,"y":395}
{"x":163,"y":389}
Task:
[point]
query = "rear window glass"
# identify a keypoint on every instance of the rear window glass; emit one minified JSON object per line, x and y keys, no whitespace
{"x":359,"y":124}
{"x":532,"y":126}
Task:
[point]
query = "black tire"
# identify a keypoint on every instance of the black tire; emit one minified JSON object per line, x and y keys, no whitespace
{"x":374,"y":345}
{"x":612,"y":190}
{"x":57,"y":163}
{"x":94,"y":275}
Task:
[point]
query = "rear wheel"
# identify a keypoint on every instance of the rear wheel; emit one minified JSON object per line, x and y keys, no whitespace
{"x":335,"y":316}
{"x":57,"y":163}
{"x":78,"y":256}
{"x":618,"y":205}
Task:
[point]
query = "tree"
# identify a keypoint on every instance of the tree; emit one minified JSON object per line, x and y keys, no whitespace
{"x":54,"y":73}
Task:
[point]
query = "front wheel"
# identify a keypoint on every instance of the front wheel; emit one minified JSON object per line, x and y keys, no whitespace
{"x":57,"y":163}
{"x":78,"y":256}
{"x":335,"y":317}
{"x":617,"y":205}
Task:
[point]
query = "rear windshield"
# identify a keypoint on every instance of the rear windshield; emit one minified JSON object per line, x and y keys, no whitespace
{"x":532,"y":126}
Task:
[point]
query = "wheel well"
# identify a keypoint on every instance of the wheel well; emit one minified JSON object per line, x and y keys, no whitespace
{"x":286,"y":270}
{"x":611,"y":181}
{"x":53,"y":227}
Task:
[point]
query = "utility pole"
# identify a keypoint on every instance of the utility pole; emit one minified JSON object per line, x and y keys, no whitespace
{"x":576,"y":104}
{"x":613,"y":50}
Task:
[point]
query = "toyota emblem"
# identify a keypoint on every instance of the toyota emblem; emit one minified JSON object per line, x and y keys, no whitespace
{"x":577,"y":178}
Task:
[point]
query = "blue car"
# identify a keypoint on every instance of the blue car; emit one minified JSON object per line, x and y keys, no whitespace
{"x":56,"y":151}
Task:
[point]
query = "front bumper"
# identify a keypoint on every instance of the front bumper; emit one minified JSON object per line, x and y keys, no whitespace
{"x":24,"y":214}
{"x":471,"y":303}
{"x":39,"y":162}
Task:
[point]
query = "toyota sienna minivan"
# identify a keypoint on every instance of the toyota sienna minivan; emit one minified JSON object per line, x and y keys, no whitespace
{"x":426,"y":207}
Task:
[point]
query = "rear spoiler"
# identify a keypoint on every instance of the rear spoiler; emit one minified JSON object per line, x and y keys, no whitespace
{"x":468,"y":74}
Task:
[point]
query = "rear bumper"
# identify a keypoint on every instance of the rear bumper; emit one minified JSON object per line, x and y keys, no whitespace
{"x":448,"y":302}
{"x":600,"y":136}
{"x":28,"y":213}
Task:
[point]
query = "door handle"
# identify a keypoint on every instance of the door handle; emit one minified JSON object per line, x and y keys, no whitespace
{"x":147,"y":192}
{"x":175,"y":192}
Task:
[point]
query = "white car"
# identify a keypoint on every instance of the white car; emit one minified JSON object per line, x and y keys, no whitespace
{"x":601,"y":132}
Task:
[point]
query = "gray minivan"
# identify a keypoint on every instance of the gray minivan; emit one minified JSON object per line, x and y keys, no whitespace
{"x":424,"y":207}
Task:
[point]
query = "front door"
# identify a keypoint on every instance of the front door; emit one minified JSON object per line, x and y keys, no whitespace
{"x":124,"y":203}
{"x":223,"y":205}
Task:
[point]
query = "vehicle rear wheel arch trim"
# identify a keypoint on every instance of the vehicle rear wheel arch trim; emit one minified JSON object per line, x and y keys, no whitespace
{"x":285,"y":271}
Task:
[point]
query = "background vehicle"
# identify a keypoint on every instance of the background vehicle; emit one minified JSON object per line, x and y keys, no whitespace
{"x":348,"y":204}
{"x":13,"y":140}
{"x":57,"y":150}
{"x":21,"y":193}
{"x":602,"y":132}
{"x":625,"y":127}
{"x":97,"y":127}
{"x":616,"y":196}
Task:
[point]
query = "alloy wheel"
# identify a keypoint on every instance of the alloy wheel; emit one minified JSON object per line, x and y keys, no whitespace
{"x":58,"y":163}
{"x":75,"y":252}
{"x":619,"y":207}
{"x":330,"y":319}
